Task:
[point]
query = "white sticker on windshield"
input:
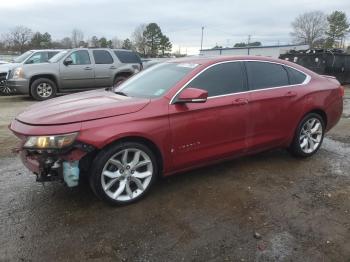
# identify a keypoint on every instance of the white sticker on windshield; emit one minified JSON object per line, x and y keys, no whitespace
{"x":159,"y":92}
{"x":188,"y":65}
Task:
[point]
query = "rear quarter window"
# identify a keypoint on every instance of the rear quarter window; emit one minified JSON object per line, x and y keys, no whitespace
{"x":128,"y":57}
{"x":295,"y":77}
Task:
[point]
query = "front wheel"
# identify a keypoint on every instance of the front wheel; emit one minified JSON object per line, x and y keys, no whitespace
{"x":43,"y":89}
{"x":124,"y":173}
{"x":118,"y":80}
{"x":309,"y":136}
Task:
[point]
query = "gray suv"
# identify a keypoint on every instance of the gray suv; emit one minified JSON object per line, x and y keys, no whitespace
{"x":75,"y":70}
{"x":27,"y":58}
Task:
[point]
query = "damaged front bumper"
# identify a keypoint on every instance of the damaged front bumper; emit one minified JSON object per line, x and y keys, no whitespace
{"x":56,"y":165}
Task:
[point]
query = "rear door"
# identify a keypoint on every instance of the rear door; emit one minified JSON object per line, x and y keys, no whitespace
{"x":216,"y":128}
{"x":80,"y":74}
{"x":272,"y":103}
{"x":104,"y":68}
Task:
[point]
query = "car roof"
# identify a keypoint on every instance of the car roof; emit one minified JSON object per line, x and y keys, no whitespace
{"x":209,"y":60}
{"x":51,"y":50}
{"x":206,"y":60}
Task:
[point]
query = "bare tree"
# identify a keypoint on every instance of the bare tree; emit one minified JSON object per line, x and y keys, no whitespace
{"x":77,"y":37}
{"x":18,"y":38}
{"x":116,"y":42}
{"x":139,"y":39}
{"x":310,"y":27}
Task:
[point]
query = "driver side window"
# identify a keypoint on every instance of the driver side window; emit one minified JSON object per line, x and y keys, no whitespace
{"x":221,"y":79}
{"x":80,"y":57}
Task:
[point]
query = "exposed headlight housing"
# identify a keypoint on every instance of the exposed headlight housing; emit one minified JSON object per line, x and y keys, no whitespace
{"x":17,"y":73}
{"x":50,"y":142}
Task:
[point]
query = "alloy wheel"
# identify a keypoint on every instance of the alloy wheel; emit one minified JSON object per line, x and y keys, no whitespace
{"x":44,"y":90}
{"x":127,"y":174}
{"x":5,"y":90}
{"x":311,"y":135}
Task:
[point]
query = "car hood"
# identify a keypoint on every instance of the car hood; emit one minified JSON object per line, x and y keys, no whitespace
{"x":81,"y":107}
{"x":8,"y":66}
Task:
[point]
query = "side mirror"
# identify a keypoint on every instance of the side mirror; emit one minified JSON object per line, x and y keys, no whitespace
{"x":192,"y":95}
{"x":68,"y":61}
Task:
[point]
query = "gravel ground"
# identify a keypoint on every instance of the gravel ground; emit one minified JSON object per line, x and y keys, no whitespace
{"x":268,"y":207}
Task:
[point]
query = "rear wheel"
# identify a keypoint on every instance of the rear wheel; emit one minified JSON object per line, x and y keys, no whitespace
{"x":309,"y":136}
{"x":124,"y":173}
{"x":43,"y":89}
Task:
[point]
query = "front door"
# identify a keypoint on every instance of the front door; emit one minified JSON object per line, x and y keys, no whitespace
{"x":214,"y":129}
{"x":80,"y":73}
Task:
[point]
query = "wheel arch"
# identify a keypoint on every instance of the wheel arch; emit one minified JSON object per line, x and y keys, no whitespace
{"x":48,"y":76}
{"x":320,"y":112}
{"x":125,"y":73}
{"x":143,"y":140}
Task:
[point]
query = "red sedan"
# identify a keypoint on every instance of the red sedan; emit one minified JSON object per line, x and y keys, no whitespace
{"x":176,"y":116}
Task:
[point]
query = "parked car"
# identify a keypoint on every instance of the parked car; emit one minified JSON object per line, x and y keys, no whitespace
{"x":3,"y":62}
{"x":176,"y":116}
{"x":74,"y":70}
{"x":27,"y":58}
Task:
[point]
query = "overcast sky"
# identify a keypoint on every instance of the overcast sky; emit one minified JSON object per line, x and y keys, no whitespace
{"x":226,"y":21}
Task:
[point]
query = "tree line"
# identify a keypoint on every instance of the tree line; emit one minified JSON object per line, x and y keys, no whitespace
{"x":147,"y":39}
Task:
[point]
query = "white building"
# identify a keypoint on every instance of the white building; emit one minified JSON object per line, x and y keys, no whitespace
{"x":271,"y":51}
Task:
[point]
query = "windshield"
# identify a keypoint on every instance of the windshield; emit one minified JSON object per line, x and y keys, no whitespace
{"x":22,"y":57}
{"x":155,"y":81}
{"x":58,"y":56}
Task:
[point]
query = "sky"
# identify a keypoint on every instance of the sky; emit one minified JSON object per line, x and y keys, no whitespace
{"x":225,"y":22}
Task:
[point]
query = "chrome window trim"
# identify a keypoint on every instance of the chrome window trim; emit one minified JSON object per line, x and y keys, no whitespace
{"x":305,"y":82}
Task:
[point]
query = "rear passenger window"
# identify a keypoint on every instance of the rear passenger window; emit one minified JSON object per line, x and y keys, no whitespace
{"x":264,"y":75}
{"x":51,"y":54}
{"x":102,"y":57}
{"x":221,"y":79}
{"x":295,"y":77}
{"x":127,"y":57}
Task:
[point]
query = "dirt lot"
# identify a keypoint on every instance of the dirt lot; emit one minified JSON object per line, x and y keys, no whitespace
{"x":299,"y":208}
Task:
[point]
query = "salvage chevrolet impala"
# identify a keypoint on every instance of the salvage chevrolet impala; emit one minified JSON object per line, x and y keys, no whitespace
{"x":176,"y":116}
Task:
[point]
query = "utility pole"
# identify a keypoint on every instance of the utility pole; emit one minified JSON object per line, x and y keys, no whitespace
{"x":202,"y":38}
{"x":248,"y":43}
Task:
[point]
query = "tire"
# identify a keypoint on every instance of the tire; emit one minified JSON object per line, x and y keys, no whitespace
{"x":115,"y":178}
{"x":43,"y":89}
{"x":5,"y":91}
{"x":118,"y":80}
{"x":309,"y":136}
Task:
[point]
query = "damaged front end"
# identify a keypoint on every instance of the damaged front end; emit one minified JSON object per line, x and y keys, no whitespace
{"x":54,"y":164}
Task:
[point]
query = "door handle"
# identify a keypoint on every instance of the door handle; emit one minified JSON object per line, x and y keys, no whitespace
{"x":87,"y":68}
{"x":290,"y":94}
{"x":240,"y":101}
{"x":112,"y":67}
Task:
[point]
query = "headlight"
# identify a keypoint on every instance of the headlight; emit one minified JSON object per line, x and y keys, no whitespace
{"x":17,"y":73}
{"x":50,"y":142}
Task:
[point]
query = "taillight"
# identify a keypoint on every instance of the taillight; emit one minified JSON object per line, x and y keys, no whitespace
{"x":341,"y":91}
